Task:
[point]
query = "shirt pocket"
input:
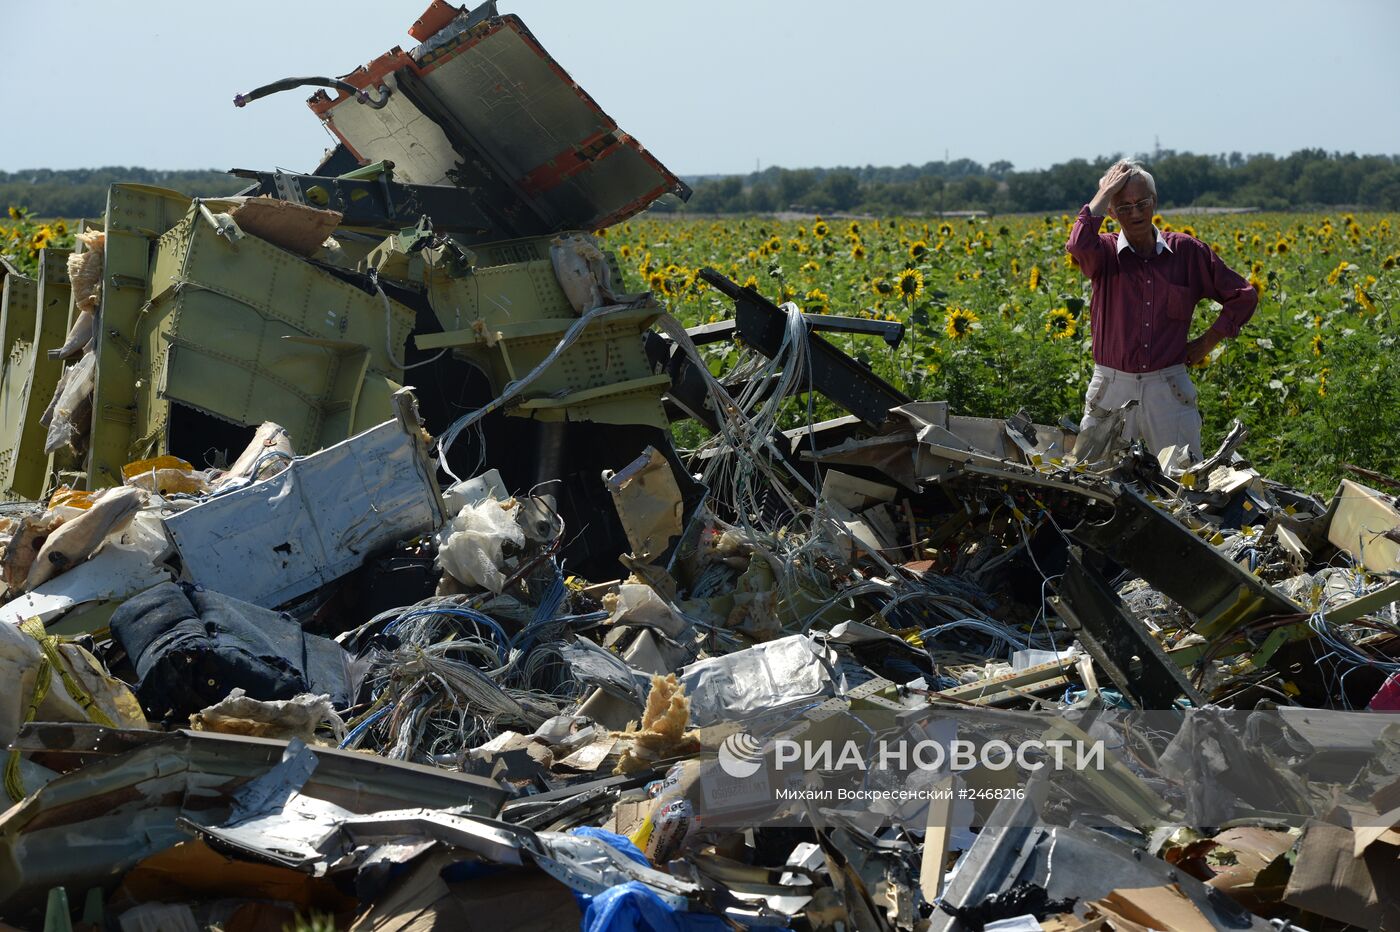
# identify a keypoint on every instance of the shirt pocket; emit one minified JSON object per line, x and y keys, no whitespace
{"x":1181,"y":301}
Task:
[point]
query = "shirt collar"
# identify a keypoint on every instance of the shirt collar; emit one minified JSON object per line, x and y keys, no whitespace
{"x":1161,"y":242}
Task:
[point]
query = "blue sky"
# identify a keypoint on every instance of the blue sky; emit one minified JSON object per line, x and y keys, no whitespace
{"x":725,"y":85}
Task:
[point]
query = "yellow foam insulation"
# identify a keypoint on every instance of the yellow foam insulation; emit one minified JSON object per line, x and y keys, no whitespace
{"x":662,"y":732}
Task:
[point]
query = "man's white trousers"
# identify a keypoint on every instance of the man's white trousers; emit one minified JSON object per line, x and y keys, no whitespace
{"x":1166,"y":413}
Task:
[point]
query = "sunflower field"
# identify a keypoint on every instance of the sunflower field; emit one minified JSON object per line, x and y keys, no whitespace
{"x":997,"y":316}
{"x":22,"y":236}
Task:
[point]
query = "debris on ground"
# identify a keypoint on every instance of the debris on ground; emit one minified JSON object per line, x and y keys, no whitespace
{"x":352,"y":578}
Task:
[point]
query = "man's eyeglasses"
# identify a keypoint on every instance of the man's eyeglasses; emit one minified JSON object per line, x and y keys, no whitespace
{"x":1135,"y":207}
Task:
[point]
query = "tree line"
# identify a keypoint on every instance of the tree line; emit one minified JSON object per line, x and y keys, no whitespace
{"x":82,"y":192}
{"x":1305,"y":179}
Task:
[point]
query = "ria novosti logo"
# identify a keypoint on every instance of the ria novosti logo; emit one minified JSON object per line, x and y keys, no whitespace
{"x":741,"y":755}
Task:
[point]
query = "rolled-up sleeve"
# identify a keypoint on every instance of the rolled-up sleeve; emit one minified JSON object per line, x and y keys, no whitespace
{"x":1084,"y":243}
{"x":1237,"y":297}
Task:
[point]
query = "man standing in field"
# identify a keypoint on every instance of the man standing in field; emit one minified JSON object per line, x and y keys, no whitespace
{"x":1146,"y":285}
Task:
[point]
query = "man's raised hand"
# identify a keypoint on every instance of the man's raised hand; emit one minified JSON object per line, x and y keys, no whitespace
{"x":1110,"y":184}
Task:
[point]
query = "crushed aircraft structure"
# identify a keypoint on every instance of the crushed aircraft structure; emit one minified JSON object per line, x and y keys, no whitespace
{"x":350,"y":573}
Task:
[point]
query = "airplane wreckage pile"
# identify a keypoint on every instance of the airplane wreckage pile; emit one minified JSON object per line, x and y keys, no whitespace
{"x":291,"y":642}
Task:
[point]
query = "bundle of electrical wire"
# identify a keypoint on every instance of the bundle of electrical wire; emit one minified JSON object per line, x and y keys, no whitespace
{"x":451,"y":678}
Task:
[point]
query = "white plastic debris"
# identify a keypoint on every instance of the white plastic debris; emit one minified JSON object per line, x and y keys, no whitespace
{"x":471,"y":547}
{"x":474,"y":491}
{"x":76,"y":540}
{"x":763,"y":678}
{"x":74,"y":388}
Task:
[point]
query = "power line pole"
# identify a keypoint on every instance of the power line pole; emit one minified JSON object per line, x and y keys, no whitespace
{"x":943,"y":186}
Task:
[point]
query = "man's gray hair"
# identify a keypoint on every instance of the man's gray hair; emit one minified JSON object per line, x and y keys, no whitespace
{"x":1135,"y":170}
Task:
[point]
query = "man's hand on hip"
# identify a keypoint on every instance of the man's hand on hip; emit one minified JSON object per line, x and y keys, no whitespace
{"x":1198,"y":349}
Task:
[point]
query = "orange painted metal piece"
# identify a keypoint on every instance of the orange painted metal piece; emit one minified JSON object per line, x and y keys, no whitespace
{"x":439,"y":14}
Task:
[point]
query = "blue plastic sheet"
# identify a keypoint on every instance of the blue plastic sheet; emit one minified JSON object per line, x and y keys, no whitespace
{"x":633,"y":907}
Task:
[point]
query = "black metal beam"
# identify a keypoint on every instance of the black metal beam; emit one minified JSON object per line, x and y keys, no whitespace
{"x":386,"y":205}
{"x":1185,"y":568}
{"x":844,"y":380}
{"x":892,"y":332}
{"x":1119,"y":643}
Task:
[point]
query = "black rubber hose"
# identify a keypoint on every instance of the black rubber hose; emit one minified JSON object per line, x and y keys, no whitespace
{"x":287,"y":84}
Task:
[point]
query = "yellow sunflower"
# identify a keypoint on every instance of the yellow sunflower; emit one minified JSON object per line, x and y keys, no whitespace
{"x":958,"y":322}
{"x":1281,"y":246}
{"x":917,"y":250}
{"x":1034,"y":282}
{"x":910,"y":284}
{"x":820,"y":229}
{"x":1061,"y":324}
{"x":1317,"y":344}
{"x":816,"y":302}
{"x":857,"y":252}
{"x":882,"y":287}
{"x":1363,"y":299}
